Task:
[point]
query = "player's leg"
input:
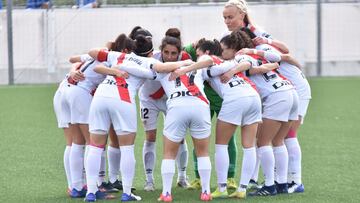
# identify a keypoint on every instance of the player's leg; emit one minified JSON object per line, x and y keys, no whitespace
{"x":224,"y":132}
{"x":149,"y":159}
{"x":127,"y":163}
{"x":68,"y":139}
{"x":182,"y":162}
{"x":114,"y":157}
{"x":170,"y":149}
{"x":248,"y":139}
{"x":281,"y":158}
{"x":77,"y":161}
{"x":267,"y":132}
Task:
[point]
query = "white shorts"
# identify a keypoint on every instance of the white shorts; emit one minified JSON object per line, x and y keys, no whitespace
{"x":281,"y":106}
{"x":180,"y":118}
{"x":241,"y":111}
{"x":303,"y":106}
{"x":76,"y":105}
{"x":150,"y":111}
{"x":106,"y":111}
{"x":58,"y":99}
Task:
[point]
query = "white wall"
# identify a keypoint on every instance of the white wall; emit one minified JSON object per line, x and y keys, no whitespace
{"x":43,"y":40}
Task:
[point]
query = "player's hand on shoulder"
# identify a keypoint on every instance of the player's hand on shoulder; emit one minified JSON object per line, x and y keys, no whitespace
{"x":77,"y":75}
{"x":176,"y":73}
{"x":259,"y":40}
{"x":121,"y":73}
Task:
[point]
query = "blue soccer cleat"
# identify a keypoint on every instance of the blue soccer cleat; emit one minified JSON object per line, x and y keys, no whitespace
{"x":126,"y":198}
{"x":295,"y":188}
{"x":78,"y":194}
{"x":265,"y":191}
{"x":91,"y":197}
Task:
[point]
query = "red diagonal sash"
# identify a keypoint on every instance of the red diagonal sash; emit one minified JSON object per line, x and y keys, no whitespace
{"x":193,"y":89}
{"x":121,"y":83}
{"x":158,"y":94}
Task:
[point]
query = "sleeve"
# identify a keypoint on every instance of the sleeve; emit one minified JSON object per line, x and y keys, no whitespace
{"x":222,"y":68}
{"x":85,"y":57}
{"x":272,"y":56}
{"x":139,"y":71}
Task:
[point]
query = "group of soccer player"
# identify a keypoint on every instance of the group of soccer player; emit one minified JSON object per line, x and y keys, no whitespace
{"x":246,"y":79}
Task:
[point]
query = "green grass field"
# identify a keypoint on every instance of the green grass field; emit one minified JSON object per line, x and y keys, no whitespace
{"x":32,"y":148}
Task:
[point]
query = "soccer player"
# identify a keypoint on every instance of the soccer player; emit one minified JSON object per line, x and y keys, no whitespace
{"x":280,"y":103}
{"x":290,"y":68}
{"x":114,"y":102}
{"x":152,"y":101}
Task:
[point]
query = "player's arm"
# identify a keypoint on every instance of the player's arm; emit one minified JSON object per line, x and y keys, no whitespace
{"x":102,"y":69}
{"x":137,"y":71}
{"x":264,"y":68}
{"x":273,"y":42}
{"x":268,"y":55}
{"x":288,"y":58}
{"x":75,"y":72}
{"x":239,"y":67}
{"x":204,"y":61}
{"x":79,"y":58}
{"x":170,"y":66}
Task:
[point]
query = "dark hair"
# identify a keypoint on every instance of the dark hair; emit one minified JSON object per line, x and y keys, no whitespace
{"x":248,"y":32}
{"x":237,"y":40}
{"x":121,"y":43}
{"x":171,"y":41}
{"x":137,"y":30}
{"x":213,"y":46}
{"x":144,"y":45}
{"x":173,"y":32}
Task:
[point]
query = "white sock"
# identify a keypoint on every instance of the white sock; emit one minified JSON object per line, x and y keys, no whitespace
{"x":77,"y":165}
{"x":281,"y":163}
{"x":182,"y":161}
{"x":167,"y":174}
{"x":102,"y":174}
{"x":248,"y":165}
{"x":114,"y":163}
{"x":93,"y":162}
{"x":221,"y":165}
{"x":204,"y":167}
{"x":149,"y":160}
{"x":294,"y":151}
{"x":84,"y":170}
{"x":255,"y":175}
{"x":67,"y":165}
{"x":267,"y":160}
{"x":127,"y":167}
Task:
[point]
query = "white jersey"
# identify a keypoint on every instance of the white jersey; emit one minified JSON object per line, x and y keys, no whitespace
{"x":120,"y":88}
{"x":152,"y":89}
{"x":92,"y":79}
{"x":266,"y":83}
{"x":292,"y":73}
{"x":184,"y":89}
{"x":238,"y":86}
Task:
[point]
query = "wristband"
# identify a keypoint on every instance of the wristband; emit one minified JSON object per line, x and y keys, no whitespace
{"x":269,"y":41}
{"x":255,"y":51}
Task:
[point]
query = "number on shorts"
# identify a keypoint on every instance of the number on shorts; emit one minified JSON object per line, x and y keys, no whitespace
{"x":144,"y":113}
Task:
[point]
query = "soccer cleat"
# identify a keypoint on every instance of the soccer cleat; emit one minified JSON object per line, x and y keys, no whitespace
{"x":295,"y":188}
{"x":205,"y":196}
{"x":217,"y":194}
{"x":107,"y":187}
{"x":165,"y":198}
{"x":238,"y":194}
{"x":149,"y":186}
{"x":231,"y":183}
{"x":281,"y":188}
{"x":264,"y":191}
{"x":253,"y":185}
{"x":183,"y":183}
{"x":126,"y":198}
{"x":117,"y":184}
{"x":91,"y":197}
{"x":78,"y":194}
{"x":195,"y":185}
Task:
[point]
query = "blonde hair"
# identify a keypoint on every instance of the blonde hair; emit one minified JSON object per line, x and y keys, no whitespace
{"x":240,"y":4}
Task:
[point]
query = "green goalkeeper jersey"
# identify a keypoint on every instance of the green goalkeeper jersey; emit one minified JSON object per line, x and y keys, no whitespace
{"x":213,"y":97}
